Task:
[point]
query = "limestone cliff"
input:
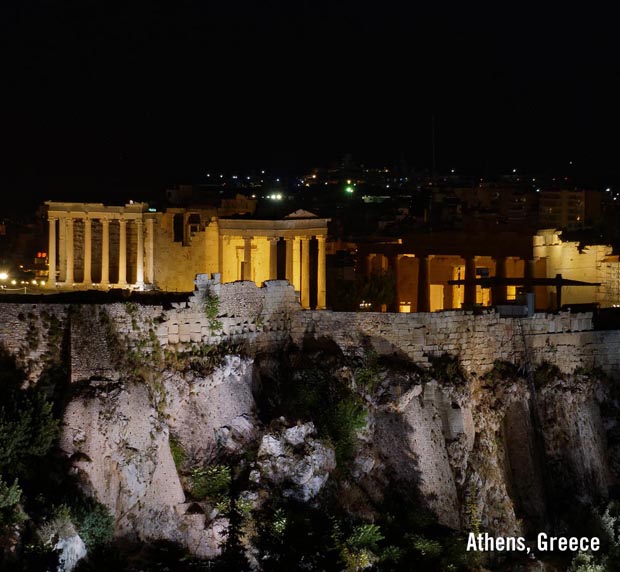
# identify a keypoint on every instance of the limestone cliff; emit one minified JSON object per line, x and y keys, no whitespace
{"x":191,"y":441}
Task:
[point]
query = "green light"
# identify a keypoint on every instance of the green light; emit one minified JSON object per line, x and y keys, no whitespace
{"x":349,"y":190}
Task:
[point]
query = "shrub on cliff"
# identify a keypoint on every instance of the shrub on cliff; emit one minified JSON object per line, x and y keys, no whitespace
{"x":27,"y":429}
{"x":316,"y":395}
{"x":447,"y":369}
{"x":212,"y":483}
{"x":27,"y":424}
{"x":95,"y":524}
{"x":502,"y":371}
{"x":546,"y":373}
{"x":10,"y":496}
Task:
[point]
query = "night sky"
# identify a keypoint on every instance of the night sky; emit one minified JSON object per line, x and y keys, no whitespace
{"x":101,"y":94}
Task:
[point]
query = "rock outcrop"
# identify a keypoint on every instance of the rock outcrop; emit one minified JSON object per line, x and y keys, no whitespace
{"x":296,"y":460}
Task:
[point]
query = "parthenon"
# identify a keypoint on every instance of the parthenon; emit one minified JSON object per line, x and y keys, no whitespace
{"x":134,"y":247}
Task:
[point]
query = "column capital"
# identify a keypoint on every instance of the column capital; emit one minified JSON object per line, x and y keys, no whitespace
{"x":52,"y":218}
{"x":122,"y":221}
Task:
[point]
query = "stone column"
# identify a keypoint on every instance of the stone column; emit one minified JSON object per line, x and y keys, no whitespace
{"x":69,"y":255}
{"x":273,"y":258}
{"x":499,"y":291}
{"x":305,"y":272}
{"x":470,"y":281}
{"x":321,"y":289}
{"x":296,"y":274}
{"x":150,"y":237}
{"x":51,"y":254}
{"x":392,"y":261}
{"x":424,"y":284}
{"x":529,"y":273}
{"x":88,"y":248}
{"x":62,"y":249}
{"x":122,"y":252}
{"x":247,"y":259}
{"x":105,"y":251}
{"x":448,"y":293}
{"x":140,"y":253}
{"x":369,"y":260}
{"x":289,"y":260}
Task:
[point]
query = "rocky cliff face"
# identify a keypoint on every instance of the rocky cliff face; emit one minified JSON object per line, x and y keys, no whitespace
{"x":470,"y":444}
{"x":193,"y":444}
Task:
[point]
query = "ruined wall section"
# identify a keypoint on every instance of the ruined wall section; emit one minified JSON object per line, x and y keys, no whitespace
{"x":564,"y":339}
{"x":33,"y":334}
{"x":267,"y":318}
{"x":259,"y":318}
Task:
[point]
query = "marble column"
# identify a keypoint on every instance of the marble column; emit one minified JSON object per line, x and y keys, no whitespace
{"x":51,"y":254}
{"x":470,"y":281}
{"x":150,"y":237}
{"x":247,"y":259}
{"x":122,"y":252}
{"x":105,"y":251}
{"x":62,"y":249}
{"x":424,"y":284}
{"x":140,"y":253}
{"x":88,"y":249}
{"x":499,"y":291}
{"x":305,"y":272}
{"x":296,"y":274}
{"x":392,"y":261}
{"x":69,"y":251}
{"x":273,"y":258}
{"x":289,"y":260}
{"x":369,"y":262}
{"x":321,"y":289}
{"x":529,"y":273}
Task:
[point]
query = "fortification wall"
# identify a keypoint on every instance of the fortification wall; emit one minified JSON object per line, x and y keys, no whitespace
{"x":267,"y":318}
{"x":564,"y":339}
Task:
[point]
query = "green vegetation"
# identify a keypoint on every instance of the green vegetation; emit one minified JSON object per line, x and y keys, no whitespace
{"x":471,"y":511}
{"x":342,"y":423}
{"x":447,"y":369}
{"x":326,"y":536}
{"x":367,"y":376}
{"x":502,"y":371}
{"x":94,"y":523}
{"x":546,"y":373}
{"x":358,"y":551}
{"x":212,"y":309}
{"x":10,"y":496}
{"x":584,"y":562}
{"x":43,"y":505}
{"x":210,"y":483}
{"x":316,"y":394}
{"x":202,"y":358}
{"x":178,"y":453}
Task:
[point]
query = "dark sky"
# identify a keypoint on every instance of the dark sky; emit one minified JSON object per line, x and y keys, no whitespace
{"x":121,"y":94}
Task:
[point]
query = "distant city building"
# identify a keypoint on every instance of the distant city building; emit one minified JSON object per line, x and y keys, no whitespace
{"x":569,"y":209}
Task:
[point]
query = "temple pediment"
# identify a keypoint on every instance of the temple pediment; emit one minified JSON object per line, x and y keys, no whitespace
{"x":301,"y":213}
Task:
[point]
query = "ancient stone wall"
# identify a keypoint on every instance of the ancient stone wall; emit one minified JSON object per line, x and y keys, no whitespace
{"x":564,"y":339}
{"x":268,"y":317}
